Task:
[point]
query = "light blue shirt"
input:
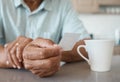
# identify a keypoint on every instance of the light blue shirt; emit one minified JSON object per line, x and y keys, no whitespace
{"x":50,"y":20}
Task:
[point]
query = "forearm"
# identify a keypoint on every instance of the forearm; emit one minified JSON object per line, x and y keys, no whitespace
{"x":73,"y":56}
{"x":3,"y":58}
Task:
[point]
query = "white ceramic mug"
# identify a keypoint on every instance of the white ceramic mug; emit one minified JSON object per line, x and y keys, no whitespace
{"x":99,"y":53}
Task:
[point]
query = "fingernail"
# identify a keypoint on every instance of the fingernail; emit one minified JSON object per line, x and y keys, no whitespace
{"x":7,"y":62}
{"x":14,"y":66}
{"x":18,"y":67}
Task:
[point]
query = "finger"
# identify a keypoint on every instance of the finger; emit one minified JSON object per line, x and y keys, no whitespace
{"x":7,"y":52}
{"x":44,"y":73}
{"x":28,"y":64}
{"x":47,"y":43}
{"x":55,"y":67}
{"x":21,"y":47}
{"x":41,"y":53}
{"x":36,"y":72}
{"x":47,"y":74}
{"x":7,"y":62}
{"x":11,"y":51}
{"x":41,"y":42}
{"x":42,"y":64}
{"x":5,"y":48}
{"x":10,"y":60}
{"x":8,"y":46}
{"x":20,"y":40}
{"x":14,"y":58}
{"x":39,"y":73}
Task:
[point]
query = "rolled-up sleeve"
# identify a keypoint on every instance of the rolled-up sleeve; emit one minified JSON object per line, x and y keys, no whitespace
{"x":2,"y":38}
{"x":72,"y":23}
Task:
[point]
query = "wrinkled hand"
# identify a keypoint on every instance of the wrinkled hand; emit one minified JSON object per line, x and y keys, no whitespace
{"x":14,"y":51}
{"x":42,"y":57}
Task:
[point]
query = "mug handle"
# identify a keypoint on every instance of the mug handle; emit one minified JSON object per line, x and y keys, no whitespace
{"x":78,"y":50}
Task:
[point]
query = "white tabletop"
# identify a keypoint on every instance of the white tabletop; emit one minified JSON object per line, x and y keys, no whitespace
{"x":74,"y":72}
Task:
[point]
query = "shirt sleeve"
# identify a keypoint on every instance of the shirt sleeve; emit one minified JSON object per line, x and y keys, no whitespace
{"x":2,"y":40}
{"x":72,"y":23}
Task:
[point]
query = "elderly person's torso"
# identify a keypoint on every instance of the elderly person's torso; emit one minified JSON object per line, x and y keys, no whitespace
{"x":50,"y":20}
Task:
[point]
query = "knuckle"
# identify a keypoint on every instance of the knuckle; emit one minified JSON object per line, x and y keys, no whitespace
{"x":49,"y":41}
{"x":26,"y":41}
{"x":29,"y":39}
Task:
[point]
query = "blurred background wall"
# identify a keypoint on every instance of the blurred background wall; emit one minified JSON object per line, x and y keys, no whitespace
{"x":100,"y":17}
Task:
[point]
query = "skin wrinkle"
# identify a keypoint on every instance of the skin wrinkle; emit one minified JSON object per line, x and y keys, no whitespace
{"x":12,"y":52}
{"x":41,"y":53}
{"x":21,"y":48}
{"x":46,"y":61}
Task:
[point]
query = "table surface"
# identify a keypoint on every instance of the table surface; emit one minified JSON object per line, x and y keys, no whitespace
{"x":74,"y":72}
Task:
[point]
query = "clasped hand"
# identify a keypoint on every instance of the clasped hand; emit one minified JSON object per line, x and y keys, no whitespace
{"x":40,"y":56}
